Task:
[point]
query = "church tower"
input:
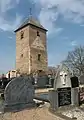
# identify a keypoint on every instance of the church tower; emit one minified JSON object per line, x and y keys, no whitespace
{"x":31,"y":47}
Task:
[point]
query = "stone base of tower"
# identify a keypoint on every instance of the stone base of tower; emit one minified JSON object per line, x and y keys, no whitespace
{"x":39,"y":73}
{"x":33,"y":72}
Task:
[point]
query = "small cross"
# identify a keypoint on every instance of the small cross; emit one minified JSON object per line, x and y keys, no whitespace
{"x":30,"y":14}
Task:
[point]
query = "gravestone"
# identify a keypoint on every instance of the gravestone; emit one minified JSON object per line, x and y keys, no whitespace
{"x":19,"y":93}
{"x":74,"y":82}
{"x":63,"y":94}
{"x":81,"y":95}
{"x":3,"y":82}
{"x":42,"y":81}
{"x":81,"y":79}
{"x":62,"y":79}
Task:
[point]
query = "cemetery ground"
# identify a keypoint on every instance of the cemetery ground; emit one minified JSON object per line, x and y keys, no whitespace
{"x":43,"y":113}
{"x":20,"y":102}
{"x":38,"y":113}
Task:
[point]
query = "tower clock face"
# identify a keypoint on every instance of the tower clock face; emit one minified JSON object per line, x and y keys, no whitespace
{"x":38,"y":44}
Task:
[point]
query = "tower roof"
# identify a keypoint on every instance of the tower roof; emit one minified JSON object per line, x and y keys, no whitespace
{"x":31,"y":21}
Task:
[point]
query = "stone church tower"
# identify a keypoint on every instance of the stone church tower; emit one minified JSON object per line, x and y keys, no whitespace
{"x":31,"y":47}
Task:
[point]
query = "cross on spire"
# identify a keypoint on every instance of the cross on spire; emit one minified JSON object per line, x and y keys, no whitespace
{"x":30,"y":13}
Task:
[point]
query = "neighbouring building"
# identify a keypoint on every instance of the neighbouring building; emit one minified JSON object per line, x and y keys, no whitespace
{"x":12,"y":74}
{"x":31,"y":48}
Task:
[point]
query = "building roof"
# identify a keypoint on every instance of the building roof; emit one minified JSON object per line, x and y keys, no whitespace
{"x":31,"y":21}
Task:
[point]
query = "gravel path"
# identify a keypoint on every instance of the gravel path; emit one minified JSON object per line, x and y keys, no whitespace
{"x":76,"y":112}
{"x":41,"y":113}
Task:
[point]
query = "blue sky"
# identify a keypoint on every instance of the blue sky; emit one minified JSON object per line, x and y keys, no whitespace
{"x":64,"y":20}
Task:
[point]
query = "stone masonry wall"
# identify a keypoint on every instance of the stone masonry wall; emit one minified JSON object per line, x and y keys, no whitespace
{"x":25,"y":54}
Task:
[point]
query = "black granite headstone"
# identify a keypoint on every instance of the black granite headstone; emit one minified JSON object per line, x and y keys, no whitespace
{"x":74,"y":82}
{"x":64,"y":96}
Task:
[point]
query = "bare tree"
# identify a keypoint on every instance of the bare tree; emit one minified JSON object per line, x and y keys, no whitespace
{"x":75,"y":61}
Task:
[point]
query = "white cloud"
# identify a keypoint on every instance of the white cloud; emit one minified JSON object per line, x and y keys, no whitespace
{"x":71,"y":10}
{"x":7,"y":25}
{"x":47,"y":19}
{"x":10,"y":25}
{"x":82,"y":25}
{"x":10,"y":37}
{"x":74,"y":43}
{"x":7,"y":4}
{"x":65,"y":7}
{"x":17,"y":1}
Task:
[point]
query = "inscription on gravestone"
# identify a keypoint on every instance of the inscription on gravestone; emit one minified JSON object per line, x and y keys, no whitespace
{"x":64,"y":96}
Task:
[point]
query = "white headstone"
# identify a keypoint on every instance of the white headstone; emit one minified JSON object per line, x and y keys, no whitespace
{"x":62,"y":79}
